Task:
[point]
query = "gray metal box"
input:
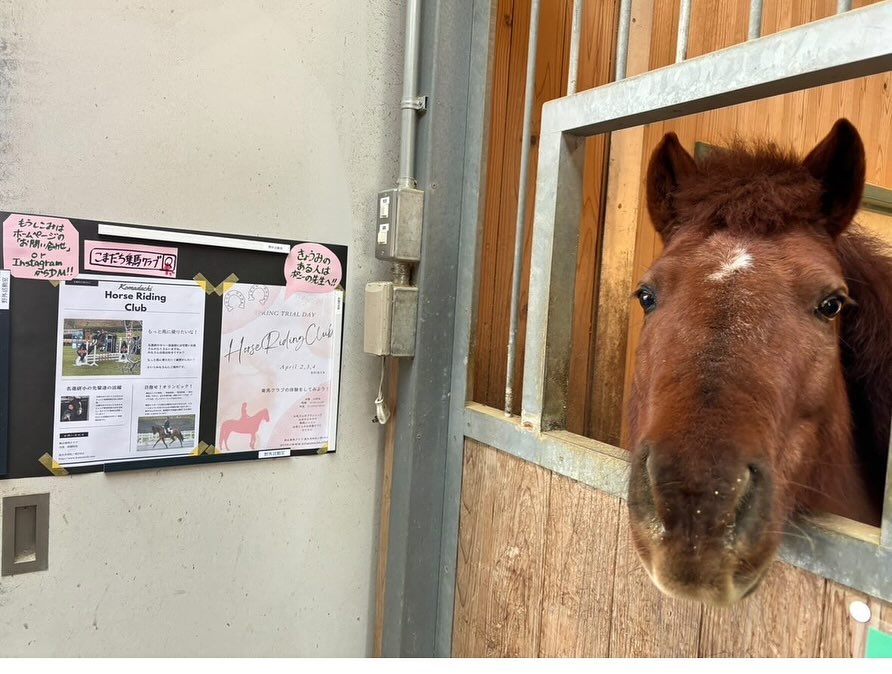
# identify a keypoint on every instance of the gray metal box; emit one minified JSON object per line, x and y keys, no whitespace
{"x":390,"y":316}
{"x":376,"y":328}
{"x":400,"y":213}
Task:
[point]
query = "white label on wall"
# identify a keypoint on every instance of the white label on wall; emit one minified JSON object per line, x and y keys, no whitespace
{"x":272,"y":453}
{"x":384,"y":207}
{"x":4,"y":290}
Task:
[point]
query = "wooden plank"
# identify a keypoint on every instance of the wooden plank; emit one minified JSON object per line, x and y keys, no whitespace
{"x":646,"y":623}
{"x":781,"y":619}
{"x":580,"y":565}
{"x":841,"y":635}
{"x":596,"y":67}
{"x":501,"y":555}
{"x":615,"y":277}
{"x":492,"y":241}
{"x":393,"y":370}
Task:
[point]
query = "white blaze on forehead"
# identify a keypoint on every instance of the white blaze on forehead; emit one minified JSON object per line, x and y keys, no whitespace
{"x":735,"y":260}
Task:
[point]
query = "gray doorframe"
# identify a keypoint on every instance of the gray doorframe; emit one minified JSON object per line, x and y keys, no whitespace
{"x":456,"y":37}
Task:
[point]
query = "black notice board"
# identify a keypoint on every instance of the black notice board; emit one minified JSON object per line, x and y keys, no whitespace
{"x":28,"y":364}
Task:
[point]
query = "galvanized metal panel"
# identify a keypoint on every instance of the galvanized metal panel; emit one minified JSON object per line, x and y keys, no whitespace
{"x":853,"y":44}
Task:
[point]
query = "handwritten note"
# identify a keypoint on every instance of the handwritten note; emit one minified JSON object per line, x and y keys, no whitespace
{"x":311,"y":268}
{"x":130,"y":258}
{"x":38,"y":247}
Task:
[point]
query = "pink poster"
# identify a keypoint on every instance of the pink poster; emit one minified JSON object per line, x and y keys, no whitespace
{"x":130,"y":258}
{"x":279,"y":369}
{"x":312,"y":268}
{"x":39,"y":247}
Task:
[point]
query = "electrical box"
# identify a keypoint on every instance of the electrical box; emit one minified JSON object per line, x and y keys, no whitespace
{"x":400,"y":213}
{"x":390,"y":316}
{"x":378,"y":303}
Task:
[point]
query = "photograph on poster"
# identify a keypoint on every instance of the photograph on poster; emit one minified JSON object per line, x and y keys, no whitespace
{"x":74,"y":408}
{"x":166,"y":430}
{"x":100,"y":347}
{"x":128,"y":369}
{"x":279,"y":369}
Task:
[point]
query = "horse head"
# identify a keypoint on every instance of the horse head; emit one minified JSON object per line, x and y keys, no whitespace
{"x":739,"y":412}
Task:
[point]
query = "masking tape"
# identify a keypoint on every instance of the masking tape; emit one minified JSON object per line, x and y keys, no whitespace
{"x":203,"y":283}
{"x":50,"y":464}
{"x":199,"y":449}
{"x":227,"y":283}
{"x":55,"y":284}
{"x":323,"y":449}
{"x":212,"y":450}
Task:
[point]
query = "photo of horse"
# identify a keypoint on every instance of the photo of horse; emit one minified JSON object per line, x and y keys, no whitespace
{"x":99,"y":348}
{"x":170,"y":431}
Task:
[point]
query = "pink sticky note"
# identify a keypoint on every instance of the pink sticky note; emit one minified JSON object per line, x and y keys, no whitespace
{"x":130,"y":258}
{"x":311,"y":268}
{"x":38,"y":247}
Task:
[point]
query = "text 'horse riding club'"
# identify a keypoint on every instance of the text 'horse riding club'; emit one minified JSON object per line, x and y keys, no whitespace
{"x":763,"y":381}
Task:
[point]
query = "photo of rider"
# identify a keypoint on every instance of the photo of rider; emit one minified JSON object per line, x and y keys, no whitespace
{"x":172,"y":430}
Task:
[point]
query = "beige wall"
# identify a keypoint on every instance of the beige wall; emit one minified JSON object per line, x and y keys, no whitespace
{"x":272,"y":118}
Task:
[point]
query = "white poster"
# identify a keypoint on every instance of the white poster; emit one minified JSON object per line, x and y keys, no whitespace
{"x":128,"y":369}
{"x":279,"y":369}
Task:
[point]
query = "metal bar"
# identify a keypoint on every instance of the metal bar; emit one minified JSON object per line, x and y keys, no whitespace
{"x":755,"y":30}
{"x":474,"y":177}
{"x":845,"y":46}
{"x":552,"y":280}
{"x":832,"y":547}
{"x":684,"y":28}
{"x":575,"y":30}
{"x":521,"y":222}
{"x":843,"y":6}
{"x":622,"y":39}
{"x":409,"y":113}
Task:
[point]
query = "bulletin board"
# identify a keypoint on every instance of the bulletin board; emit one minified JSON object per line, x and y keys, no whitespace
{"x":129,"y":346}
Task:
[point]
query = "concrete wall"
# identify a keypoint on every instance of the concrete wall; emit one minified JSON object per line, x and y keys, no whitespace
{"x":273,"y":118}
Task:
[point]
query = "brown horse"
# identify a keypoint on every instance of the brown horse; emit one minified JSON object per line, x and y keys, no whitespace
{"x":763,"y":381}
{"x":164,"y":435}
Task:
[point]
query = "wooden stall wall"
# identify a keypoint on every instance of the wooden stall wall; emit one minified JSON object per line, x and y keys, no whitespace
{"x":546,"y":569}
{"x":596,"y":67}
{"x":616,"y":239}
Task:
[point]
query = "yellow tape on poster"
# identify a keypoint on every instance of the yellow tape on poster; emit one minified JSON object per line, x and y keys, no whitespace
{"x":227,"y":283}
{"x":50,"y":464}
{"x":203,"y":283}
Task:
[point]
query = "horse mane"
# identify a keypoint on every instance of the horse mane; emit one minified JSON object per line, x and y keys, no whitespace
{"x":761,"y":189}
{"x":755,"y":188}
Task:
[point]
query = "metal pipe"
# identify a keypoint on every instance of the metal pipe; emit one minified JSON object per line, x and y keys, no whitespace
{"x":684,"y":27}
{"x":755,"y":30}
{"x":622,"y":38}
{"x":843,"y":6}
{"x":575,"y":30}
{"x":410,"y":103}
{"x":520,"y":231}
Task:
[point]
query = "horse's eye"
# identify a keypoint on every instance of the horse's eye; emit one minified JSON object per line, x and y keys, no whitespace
{"x":830,"y":307}
{"x":646,"y":298}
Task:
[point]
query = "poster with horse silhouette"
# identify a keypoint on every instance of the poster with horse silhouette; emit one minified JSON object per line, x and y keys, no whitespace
{"x":279,"y":367}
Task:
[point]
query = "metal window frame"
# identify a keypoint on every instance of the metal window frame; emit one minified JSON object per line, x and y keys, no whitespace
{"x":854,"y":44}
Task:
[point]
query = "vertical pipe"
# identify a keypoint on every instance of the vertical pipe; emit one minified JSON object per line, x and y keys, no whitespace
{"x":408,"y":104}
{"x":843,"y":6}
{"x":684,"y":26}
{"x":622,"y":39}
{"x":755,"y":30}
{"x":575,"y":30}
{"x":520,"y":231}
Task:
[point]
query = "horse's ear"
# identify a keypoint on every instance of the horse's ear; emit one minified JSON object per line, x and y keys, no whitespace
{"x":837,"y":162}
{"x":668,"y":164}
